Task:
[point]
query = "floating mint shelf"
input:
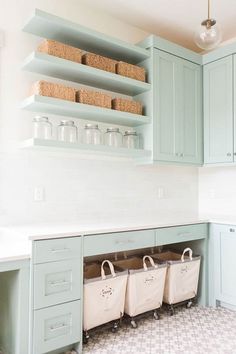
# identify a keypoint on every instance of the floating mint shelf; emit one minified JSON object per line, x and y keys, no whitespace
{"x":84,"y":148}
{"x":68,"y":70}
{"x":60,"y":107}
{"x":49,"y":26}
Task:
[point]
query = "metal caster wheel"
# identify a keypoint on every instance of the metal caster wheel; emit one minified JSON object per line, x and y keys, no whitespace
{"x":189,"y":304}
{"x":171,"y":311}
{"x":133,"y":324}
{"x":115,"y":327}
{"x":85,"y":338}
{"x":156,"y":315}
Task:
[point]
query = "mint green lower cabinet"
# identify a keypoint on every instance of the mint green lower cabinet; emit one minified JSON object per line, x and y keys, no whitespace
{"x":177,"y":109}
{"x":234,"y":103}
{"x":176,"y":234}
{"x":218,"y":111}
{"x":14,"y":306}
{"x":56,"y":296}
{"x":223,"y":264}
{"x":56,"y":327}
{"x":118,"y":242}
{"x":56,"y":282}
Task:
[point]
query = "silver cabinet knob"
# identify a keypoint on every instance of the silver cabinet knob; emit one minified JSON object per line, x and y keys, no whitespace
{"x":182,"y":155}
{"x":234,"y":153}
{"x":229,"y":154}
{"x":231,"y":230}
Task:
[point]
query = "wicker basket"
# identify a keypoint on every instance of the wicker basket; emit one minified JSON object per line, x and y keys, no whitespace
{"x":60,"y":50}
{"x":99,"y":62}
{"x":50,"y":89}
{"x":122,"y":104}
{"x":129,"y":70}
{"x":93,"y":98}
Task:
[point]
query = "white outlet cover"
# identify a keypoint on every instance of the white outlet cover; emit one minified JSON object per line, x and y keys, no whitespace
{"x":39,"y":194}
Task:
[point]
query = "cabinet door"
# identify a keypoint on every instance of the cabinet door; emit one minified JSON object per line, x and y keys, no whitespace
{"x":166,"y":112}
{"x":191,"y":113}
{"x":234,"y":105}
{"x":225,"y":264}
{"x":218,"y":111}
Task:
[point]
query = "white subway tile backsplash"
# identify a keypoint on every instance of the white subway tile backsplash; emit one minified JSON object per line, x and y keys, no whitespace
{"x":78,"y":189}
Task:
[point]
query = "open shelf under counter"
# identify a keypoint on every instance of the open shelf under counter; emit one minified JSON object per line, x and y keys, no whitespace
{"x":68,"y":70}
{"x":49,"y":26}
{"x":50,"y":105}
{"x":56,"y":145}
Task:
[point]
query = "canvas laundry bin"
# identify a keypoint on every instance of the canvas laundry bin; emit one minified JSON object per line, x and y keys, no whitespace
{"x":182,"y":275}
{"x":145,"y":285}
{"x":104,"y":295}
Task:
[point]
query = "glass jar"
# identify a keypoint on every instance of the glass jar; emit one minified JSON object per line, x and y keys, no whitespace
{"x":42,"y":128}
{"x":92,"y":134}
{"x":113,"y":137}
{"x":131,"y":140}
{"x":67,"y":131}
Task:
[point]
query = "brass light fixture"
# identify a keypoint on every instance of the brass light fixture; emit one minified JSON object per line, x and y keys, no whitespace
{"x":209,"y":35}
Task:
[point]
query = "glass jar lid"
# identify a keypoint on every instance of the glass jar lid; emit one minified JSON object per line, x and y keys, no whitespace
{"x":130,"y":132}
{"x":111,"y":129}
{"x":91,"y":126}
{"x":67,"y":122}
{"x":40,"y":119}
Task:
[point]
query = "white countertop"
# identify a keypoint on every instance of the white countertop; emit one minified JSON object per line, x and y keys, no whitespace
{"x":15,"y":241}
{"x":13,"y":247}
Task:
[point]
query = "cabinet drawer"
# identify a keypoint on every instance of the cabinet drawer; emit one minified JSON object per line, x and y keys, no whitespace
{"x":56,"y":282}
{"x":57,"y":326}
{"x":56,"y":249}
{"x":181,"y":234}
{"x":117,"y":242}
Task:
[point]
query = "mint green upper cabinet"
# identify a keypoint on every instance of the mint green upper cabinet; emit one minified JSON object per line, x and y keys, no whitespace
{"x":218,"y":111}
{"x":177,"y":109}
{"x":191,"y":113}
{"x":165,"y":107}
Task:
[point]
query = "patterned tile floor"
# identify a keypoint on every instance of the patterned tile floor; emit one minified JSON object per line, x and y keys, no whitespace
{"x":190,"y":331}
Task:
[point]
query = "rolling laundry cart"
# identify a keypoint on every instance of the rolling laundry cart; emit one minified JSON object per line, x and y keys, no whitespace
{"x":104,"y":295}
{"x":182,"y":277}
{"x":145,"y":286}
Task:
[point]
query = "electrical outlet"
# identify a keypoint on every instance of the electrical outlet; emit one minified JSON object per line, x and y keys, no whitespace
{"x":212,"y":193}
{"x":39,"y":194}
{"x":160,"y":193}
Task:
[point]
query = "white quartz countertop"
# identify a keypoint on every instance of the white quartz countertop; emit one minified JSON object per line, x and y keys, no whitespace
{"x":13,"y":247}
{"x":15,"y":241}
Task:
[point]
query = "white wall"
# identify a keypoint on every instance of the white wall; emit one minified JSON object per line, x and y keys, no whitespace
{"x":217,"y":191}
{"x":75,"y":188}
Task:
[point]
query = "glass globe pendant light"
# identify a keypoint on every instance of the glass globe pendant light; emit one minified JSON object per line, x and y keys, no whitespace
{"x":209,"y":35}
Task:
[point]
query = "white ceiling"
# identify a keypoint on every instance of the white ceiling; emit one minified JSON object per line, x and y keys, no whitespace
{"x":175,"y":20}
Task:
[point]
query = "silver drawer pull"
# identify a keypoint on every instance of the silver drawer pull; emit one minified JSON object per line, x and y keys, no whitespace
{"x":124,"y":242}
{"x":60,"y":326}
{"x":58,"y":250}
{"x":59,"y":282}
{"x":231,"y":230}
{"x":185,"y":234}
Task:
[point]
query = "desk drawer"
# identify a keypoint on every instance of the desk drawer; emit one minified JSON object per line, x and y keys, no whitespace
{"x":117,"y":242}
{"x":56,"y":249}
{"x":177,"y":234}
{"x":57,"y":326}
{"x":57,"y":282}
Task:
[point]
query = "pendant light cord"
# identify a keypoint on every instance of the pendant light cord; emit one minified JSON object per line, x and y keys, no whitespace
{"x":209,"y":8}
